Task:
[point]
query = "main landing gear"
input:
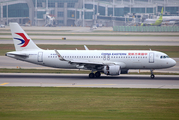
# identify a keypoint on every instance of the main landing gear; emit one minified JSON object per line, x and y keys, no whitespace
{"x":152,"y":75}
{"x":97,"y":75}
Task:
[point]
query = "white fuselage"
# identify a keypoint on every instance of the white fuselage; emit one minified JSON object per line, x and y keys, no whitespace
{"x":127,"y":59}
{"x":170,"y":18}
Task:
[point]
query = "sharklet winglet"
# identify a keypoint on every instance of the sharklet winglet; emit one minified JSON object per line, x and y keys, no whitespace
{"x":86,"y":48}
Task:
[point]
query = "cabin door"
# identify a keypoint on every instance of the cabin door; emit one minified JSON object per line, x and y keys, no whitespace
{"x":151,"y":57}
{"x":40,"y":57}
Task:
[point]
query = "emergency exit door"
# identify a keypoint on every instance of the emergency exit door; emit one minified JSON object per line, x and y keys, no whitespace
{"x":151,"y":57}
{"x":40,"y":57}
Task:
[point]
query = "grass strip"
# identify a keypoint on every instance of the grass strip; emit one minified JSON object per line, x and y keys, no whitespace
{"x":54,"y":103}
{"x":172,"y":51}
{"x":20,"y":70}
{"x":63,"y":71}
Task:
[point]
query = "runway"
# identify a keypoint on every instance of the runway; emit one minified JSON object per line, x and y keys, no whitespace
{"x":102,"y":40}
{"x":98,"y":42}
{"x":101,"y":36}
{"x":82,"y":80}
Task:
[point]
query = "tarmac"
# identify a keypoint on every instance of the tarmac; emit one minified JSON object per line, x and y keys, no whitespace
{"x":82,"y":80}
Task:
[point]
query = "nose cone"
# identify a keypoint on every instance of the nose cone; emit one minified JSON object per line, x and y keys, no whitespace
{"x":172,"y":62}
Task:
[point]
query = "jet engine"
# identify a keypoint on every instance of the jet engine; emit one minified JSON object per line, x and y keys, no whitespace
{"x":112,"y":70}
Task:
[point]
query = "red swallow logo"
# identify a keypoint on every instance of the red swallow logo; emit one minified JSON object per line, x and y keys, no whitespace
{"x":24,"y":41}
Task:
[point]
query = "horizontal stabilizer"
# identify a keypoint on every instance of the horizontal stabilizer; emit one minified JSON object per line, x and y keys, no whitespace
{"x":17,"y":54}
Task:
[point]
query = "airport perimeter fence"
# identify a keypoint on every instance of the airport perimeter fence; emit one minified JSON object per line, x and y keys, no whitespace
{"x":146,"y":28}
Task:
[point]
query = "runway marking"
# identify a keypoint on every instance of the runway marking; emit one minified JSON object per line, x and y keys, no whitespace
{"x":85,"y":85}
{"x":4,"y":83}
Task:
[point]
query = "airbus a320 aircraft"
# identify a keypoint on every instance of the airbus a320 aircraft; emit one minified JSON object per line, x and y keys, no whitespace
{"x":109,"y":62}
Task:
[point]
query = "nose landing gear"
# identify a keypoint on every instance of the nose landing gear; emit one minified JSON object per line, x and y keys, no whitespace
{"x":152,"y":75}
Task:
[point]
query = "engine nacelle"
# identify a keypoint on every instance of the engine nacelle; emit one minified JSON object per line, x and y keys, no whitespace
{"x":112,"y":70}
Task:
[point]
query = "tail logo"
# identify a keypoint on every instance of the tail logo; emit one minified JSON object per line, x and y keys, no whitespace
{"x":24,"y":41}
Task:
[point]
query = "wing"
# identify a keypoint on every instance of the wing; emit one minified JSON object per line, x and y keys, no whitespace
{"x":90,"y":64}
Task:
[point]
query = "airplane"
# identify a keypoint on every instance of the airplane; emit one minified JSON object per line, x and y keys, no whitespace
{"x":153,"y":22}
{"x":170,"y":20}
{"x":109,"y":62}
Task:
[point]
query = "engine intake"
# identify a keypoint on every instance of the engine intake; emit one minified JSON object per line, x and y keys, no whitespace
{"x":112,"y":70}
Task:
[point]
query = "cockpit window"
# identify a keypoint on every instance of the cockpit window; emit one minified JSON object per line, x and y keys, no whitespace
{"x":163,"y":57}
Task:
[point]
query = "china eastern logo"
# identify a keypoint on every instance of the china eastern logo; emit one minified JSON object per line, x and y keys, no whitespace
{"x":24,"y":41}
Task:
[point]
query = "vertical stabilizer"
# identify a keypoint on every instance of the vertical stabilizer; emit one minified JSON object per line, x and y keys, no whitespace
{"x":21,"y":40}
{"x":161,"y":15}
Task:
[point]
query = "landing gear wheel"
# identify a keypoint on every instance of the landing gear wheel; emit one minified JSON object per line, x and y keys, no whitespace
{"x":97,"y":74}
{"x":152,"y":76}
{"x":91,"y":75}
